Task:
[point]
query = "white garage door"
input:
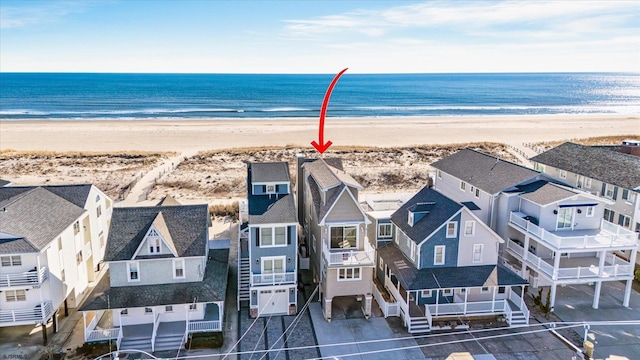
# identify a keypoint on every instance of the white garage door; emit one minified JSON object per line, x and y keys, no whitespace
{"x":273,"y":302}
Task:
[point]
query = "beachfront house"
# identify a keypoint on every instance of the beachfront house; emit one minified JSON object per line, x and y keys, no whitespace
{"x":442,"y":267}
{"x":268,"y":245}
{"x":335,"y":231}
{"x":609,"y":172}
{"x":562,"y":242}
{"x":166,"y":279}
{"x":558,"y":237}
{"x":52,"y":242}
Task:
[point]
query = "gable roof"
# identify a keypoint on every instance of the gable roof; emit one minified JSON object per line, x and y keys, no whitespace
{"x":33,"y":217}
{"x":440,"y":209}
{"x":186,"y":224}
{"x":263,"y":172}
{"x":168,"y":201}
{"x":4,"y":182}
{"x":598,"y":163}
{"x":484,"y":171}
{"x":213,"y":287}
{"x":544,"y":193}
{"x":328,"y":176}
{"x":76,"y":194}
{"x":445,"y":277}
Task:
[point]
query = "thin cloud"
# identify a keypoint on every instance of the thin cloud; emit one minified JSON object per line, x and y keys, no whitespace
{"x":35,"y":13}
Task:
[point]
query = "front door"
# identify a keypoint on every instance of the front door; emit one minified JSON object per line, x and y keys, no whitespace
{"x":565,"y":218}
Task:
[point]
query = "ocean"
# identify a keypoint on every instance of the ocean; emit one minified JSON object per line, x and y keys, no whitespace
{"x":194,"y":96}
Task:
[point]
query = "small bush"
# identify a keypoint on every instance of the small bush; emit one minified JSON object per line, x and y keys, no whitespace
{"x":209,"y":340}
{"x":224,"y":210}
{"x":637,"y":274}
{"x":93,"y":349}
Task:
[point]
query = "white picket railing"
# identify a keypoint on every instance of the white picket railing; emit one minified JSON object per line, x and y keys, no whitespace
{"x":26,"y":278}
{"x":388,"y":308}
{"x":273,"y":279}
{"x":101,"y":334}
{"x":349,"y":257}
{"x":36,"y":314}
{"x":204,"y":326}
{"x":477,"y":307}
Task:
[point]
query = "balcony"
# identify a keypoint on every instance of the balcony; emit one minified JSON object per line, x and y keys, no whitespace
{"x":273,"y":279}
{"x":342,"y":257}
{"x":33,"y":315}
{"x":588,"y":267}
{"x":608,"y":236}
{"x":25,"y":279}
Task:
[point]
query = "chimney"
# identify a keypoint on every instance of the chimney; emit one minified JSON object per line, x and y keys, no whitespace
{"x":631,"y":147}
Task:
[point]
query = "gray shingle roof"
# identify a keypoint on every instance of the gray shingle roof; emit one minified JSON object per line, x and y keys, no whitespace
{"x":547,"y":193}
{"x":484,"y":171}
{"x":186,"y":223}
{"x":4,"y":182}
{"x":445,"y":277}
{"x":597,"y":163}
{"x":212,"y":288}
{"x":269,"y":172}
{"x":168,"y":201}
{"x":328,"y":176}
{"x":76,"y":194}
{"x":34,"y":217}
{"x":440,"y":209}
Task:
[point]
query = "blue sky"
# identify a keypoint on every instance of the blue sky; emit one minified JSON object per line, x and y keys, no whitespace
{"x":319,"y":37}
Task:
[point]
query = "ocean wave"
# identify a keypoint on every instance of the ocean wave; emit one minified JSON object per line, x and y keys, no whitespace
{"x":284,"y":109}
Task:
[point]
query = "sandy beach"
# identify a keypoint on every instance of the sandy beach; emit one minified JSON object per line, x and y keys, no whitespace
{"x":197,"y":135}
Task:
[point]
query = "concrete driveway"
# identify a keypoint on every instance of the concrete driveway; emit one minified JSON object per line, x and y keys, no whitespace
{"x":573,"y":303}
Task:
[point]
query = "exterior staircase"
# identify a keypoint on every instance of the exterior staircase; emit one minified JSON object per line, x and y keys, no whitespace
{"x":141,"y":342}
{"x":168,"y":342}
{"x":244,"y":280}
{"x":419,"y":325}
{"x":518,"y":318}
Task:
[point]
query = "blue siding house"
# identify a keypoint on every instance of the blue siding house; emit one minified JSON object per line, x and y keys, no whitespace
{"x":268,"y":241}
{"x":443,"y":263}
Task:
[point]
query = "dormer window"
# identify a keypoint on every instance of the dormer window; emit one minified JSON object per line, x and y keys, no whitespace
{"x":271,"y":189}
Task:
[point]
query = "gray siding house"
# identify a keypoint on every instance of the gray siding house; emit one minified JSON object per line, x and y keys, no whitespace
{"x":268,"y":245}
{"x":443,"y":263}
{"x":166,"y":279}
{"x":335,"y":231}
{"x":603,"y":171}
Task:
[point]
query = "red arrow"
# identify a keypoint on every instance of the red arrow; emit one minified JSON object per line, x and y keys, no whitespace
{"x":321,"y":146}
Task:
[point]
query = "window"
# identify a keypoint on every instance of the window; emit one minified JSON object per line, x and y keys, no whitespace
{"x":266,"y":237}
{"x":426,"y":293}
{"x":539,"y":167}
{"x":76,"y":228}
{"x":124,"y":312}
{"x":384,"y":230}
{"x":438,"y":255}
{"x":637,"y":227}
{"x":477,"y":252}
{"x":193,"y":307}
{"x":413,"y":249}
{"x":273,"y":265}
{"x":178,"y":269}
{"x":439,"y":173}
{"x":472,"y":189}
{"x":501,"y":290}
{"x":624,"y":221}
{"x":563,"y":174}
{"x":628,"y":196}
{"x":271,"y":189}
{"x":463,"y":185}
{"x":463,"y":291}
{"x":587,"y":183}
{"x":79,"y":257}
{"x":608,"y":191}
{"x":99,"y":210}
{"x":132,"y":270}
{"x":148,"y":311}
{"x":15,"y":295}
{"x":452,"y":229}
{"x":344,"y":237}
{"x":281,"y":236}
{"x":349,"y":274}
{"x":590,"y":211}
{"x":154,"y":246}
{"x":565,"y":218}
{"x":168,"y":308}
{"x":13,"y":260}
{"x":609,"y":214}
{"x":477,"y":193}
{"x":381,"y":264}
{"x":484,"y":290}
{"x":447,"y":292}
{"x":469,"y":228}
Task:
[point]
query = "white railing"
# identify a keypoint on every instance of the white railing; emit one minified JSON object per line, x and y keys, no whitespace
{"x":156,"y":323}
{"x":349,"y":257}
{"x":532,"y":260}
{"x":273,"y":279}
{"x":521,"y":304}
{"x":101,"y":334}
{"x":36,"y":314}
{"x":610,"y":235}
{"x":478,"y":307}
{"x":388,"y":308}
{"x":119,"y":339}
{"x":204,"y":326}
{"x":26,"y":278}
{"x":243,"y":211}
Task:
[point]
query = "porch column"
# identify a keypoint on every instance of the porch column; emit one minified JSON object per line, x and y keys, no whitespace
{"x":367,"y":305}
{"x":556,"y":265}
{"x":327,"y":309}
{"x":84,"y":322}
{"x":220,"y":312}
{"x":466,"y":293}
{"x":521,"y":296}
{"x":523,"y":268}
{"x":437,"y":300}
{"x":596,"y":295}
{"x":493,"y":300}
{"x":603,"y":256}
{"x":627,"y":293}
{"x":552,"y":297}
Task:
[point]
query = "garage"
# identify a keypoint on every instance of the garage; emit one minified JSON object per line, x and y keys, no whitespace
{"x":273,"y":302}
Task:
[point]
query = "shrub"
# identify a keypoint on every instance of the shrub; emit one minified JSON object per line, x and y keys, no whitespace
{"x":208,"y":340}
{"x":224,"y":210}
